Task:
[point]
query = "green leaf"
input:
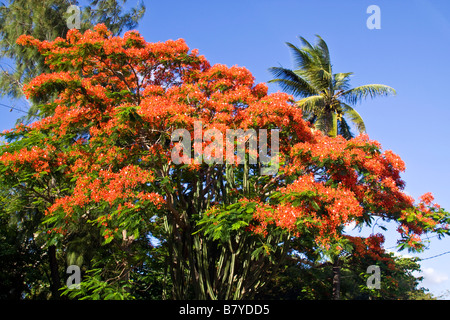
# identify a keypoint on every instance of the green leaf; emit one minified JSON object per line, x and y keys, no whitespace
{"x":238,"y":225}
{"x":355,"y":95}
{"x":315,"y":205}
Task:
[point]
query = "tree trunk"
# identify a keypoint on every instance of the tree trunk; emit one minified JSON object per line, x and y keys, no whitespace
{"x":333,"y":129}
{"x":336,"y":280}
{"x":54,"y":273}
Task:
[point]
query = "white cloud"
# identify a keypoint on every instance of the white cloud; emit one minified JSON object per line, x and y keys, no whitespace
{"x":400,"y":254}
{"x":434,"y":276}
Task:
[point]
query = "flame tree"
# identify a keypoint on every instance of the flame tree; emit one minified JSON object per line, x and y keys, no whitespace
{"x":98,"y":165}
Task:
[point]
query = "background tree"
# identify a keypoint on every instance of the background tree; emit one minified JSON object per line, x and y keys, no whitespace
{"x":305,"y":279}
{"x":22,"y":261}
{"x":44,"y":20}
{"x":47,"y":20}
{"x":326,"y":97}
{"x":101,"y":161}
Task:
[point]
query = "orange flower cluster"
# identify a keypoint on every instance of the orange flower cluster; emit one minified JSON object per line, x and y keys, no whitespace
{"x":371,"y":248}
{"x":38,"y":159}
{"x":109,"y":187}
{"x":312,"y":204}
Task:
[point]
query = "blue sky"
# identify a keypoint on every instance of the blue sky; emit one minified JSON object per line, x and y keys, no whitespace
{"x":410,"y":53}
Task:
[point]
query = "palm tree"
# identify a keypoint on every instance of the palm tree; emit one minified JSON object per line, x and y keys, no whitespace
{"x":326,"y":98}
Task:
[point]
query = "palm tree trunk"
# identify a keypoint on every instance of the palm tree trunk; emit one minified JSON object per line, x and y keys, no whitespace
{"x":333,"y":129}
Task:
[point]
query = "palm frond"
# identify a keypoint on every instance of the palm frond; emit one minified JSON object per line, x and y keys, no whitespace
{"x":302,"y":58}
{"x":341,"y":81}
{"x":322,"y":78}
{"x":313,"y":104}
{"x":309,"y":116}
{"x":355,"y":95}
{"x":318,"y":78}
{"x":313,"y":64}
{"x":354,"y":116}
{"x":291,"y":82}
{"x":305,"y":42}
{"x":323,"y":53}
{"x":344,"y":129}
